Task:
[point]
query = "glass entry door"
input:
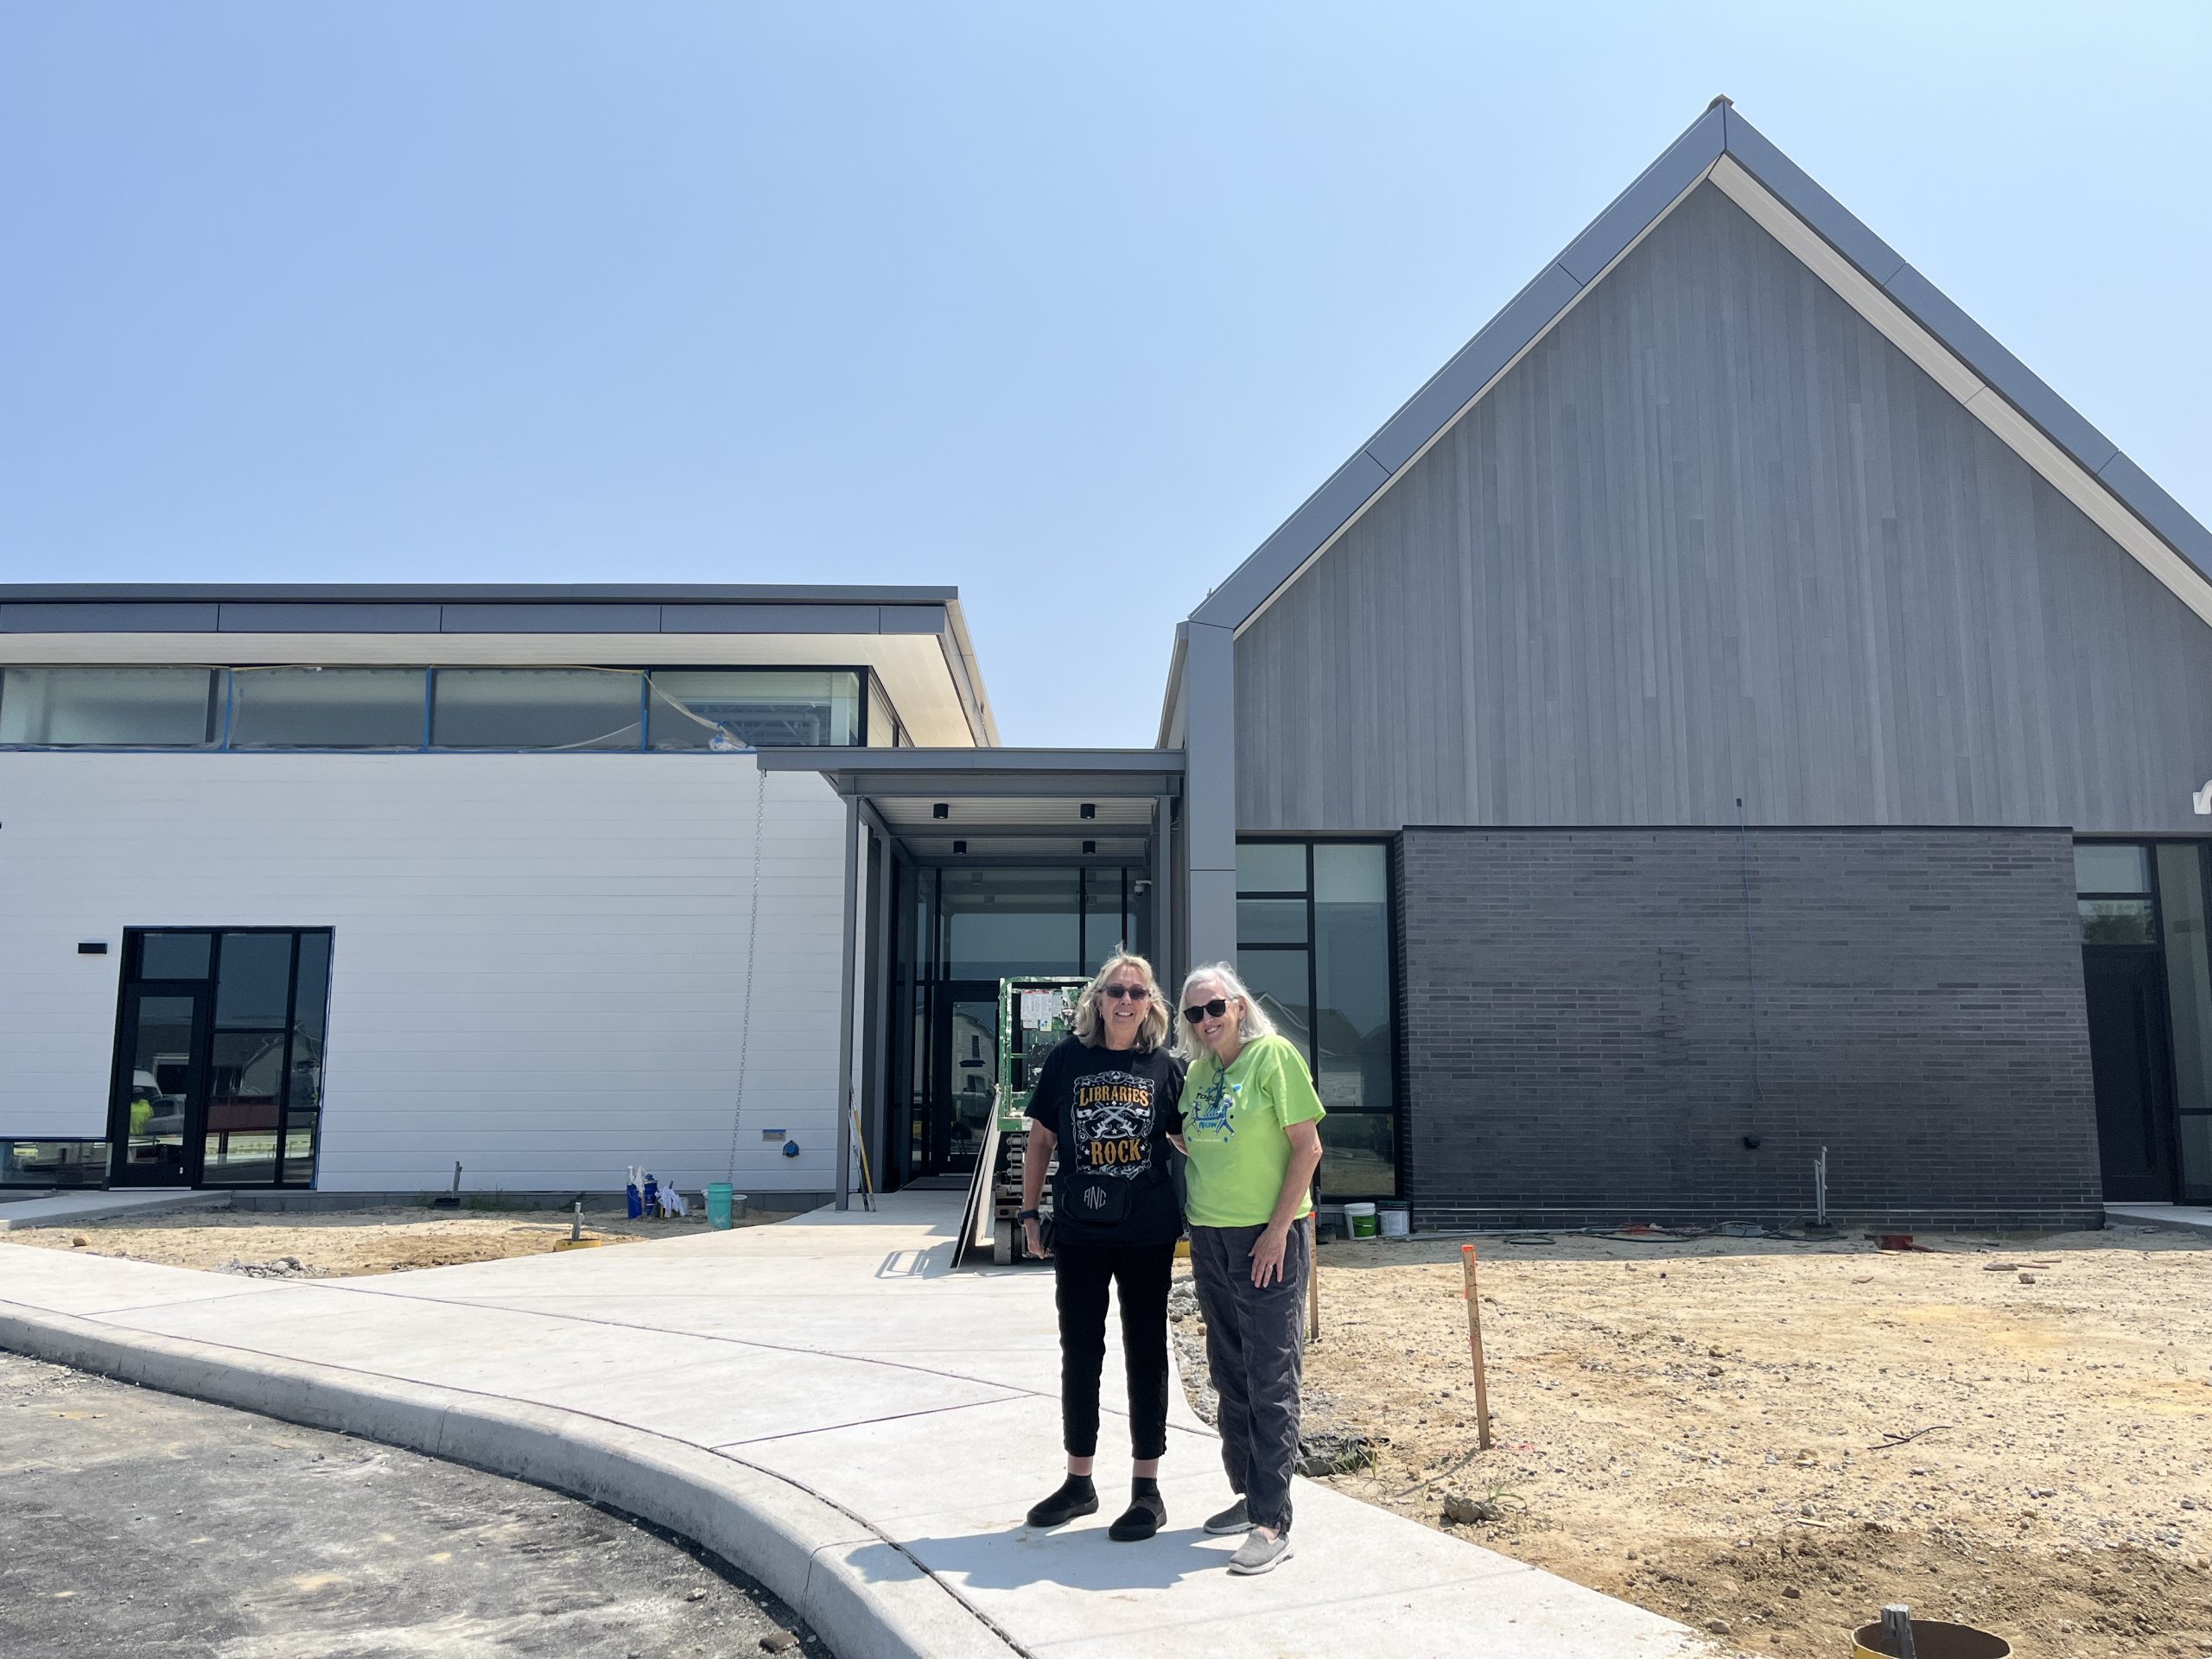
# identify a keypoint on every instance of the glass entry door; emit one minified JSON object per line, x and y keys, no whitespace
{"x":965,"y":1040}
{"x":2132,"y":1066}
{"x":160,"y":1109}
{"x":219,"y":1057}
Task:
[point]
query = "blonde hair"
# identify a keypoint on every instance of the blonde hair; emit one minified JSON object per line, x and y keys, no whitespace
{"x":1252,"y":1023}
{"x":1157,"y":1018}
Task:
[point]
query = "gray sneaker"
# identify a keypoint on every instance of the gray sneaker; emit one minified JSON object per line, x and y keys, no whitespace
{"x":1233,"y":1520}
{"x":1260,"y":1554}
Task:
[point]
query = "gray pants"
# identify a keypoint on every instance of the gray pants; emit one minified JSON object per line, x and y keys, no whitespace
{"x":1256,"y":1348}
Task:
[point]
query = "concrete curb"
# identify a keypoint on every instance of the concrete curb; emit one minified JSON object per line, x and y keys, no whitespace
{"x":861,"y":1593}
{"x":153,"y":1206}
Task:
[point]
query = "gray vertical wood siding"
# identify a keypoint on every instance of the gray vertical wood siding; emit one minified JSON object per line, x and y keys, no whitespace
{"x":1715,"y":537}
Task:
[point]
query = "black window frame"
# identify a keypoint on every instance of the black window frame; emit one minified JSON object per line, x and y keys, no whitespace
{"x":222,"y":703}
{"x":2157,"y":945}
{"x":1397,"y":1112}
{"x":133,"y":976}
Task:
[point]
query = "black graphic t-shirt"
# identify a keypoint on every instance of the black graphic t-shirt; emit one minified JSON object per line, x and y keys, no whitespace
{"x":1112,"y":1110}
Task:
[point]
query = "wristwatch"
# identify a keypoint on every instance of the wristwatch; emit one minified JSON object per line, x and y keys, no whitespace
{"x":1028,"y":1215}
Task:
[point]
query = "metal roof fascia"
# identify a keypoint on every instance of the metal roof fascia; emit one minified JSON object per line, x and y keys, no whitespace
{"x":486,"y":592}
{"x":1838,"y":225}
{"x":1472,"y":370}
{"x":1171,"y":701}
{"x":952,"y":762}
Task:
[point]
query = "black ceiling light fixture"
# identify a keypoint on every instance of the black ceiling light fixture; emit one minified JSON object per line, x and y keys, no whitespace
{"x":959,"y":845}
{"x":1089,"y":845}
{"x":1089,"y":810}
{"x":941,"y":810}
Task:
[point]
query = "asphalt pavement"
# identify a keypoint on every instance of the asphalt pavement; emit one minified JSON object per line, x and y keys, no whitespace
{"x":148,"y":1525}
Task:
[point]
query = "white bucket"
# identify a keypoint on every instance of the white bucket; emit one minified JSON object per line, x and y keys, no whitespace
{"x":1397,"y":1221}
{"x":1359,"y":1220}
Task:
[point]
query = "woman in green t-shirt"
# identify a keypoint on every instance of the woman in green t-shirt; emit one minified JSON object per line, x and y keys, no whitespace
{"x":1250,"y":1121}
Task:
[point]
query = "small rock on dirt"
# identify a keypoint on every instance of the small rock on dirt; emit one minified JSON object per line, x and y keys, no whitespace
{"x":779,"y":1642}
{"x":78,"y":1242}
{"x":1460,"y":1510}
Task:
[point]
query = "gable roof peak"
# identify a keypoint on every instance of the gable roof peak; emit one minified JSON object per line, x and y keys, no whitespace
{"x":1870,"y":275}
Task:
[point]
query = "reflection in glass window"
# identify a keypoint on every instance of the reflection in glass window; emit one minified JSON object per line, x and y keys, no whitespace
{"x":2111,"y":867}
{"x":303,"y":1076}
{"x":1352,"y":965}
{"x":1270,"y":921}
{"x":254,"y":981}
{"x":1270,"y":867}
{"x":2116,"y":921}
{"x":1105,"y":923}
{"x":54,"y":1163}
{"x":173,"y":955}
{"x":2189,"y":999}
{"x":1320,"y":965}
{"x":234,"y":1077}
{"x":245,"y":1081}
{"x":1362,"y":1150}
{"x":328,"y":708}
{"x":1278,"y":979}
{"x":122,"y":708}
{"x":998,"y":922}
{"x":535,"y":708}
{"x":760,"y":709}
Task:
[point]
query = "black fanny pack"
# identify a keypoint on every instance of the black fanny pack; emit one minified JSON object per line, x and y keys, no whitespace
{"x":1094,"y":1201}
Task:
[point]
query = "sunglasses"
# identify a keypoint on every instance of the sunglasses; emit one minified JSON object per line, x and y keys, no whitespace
{"x":1125,"y":993}
{"x":1213,"y":1010}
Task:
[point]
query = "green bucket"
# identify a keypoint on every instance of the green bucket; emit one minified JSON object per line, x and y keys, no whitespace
{"x":718,"y":1205}
{"x":1359,"y":1220}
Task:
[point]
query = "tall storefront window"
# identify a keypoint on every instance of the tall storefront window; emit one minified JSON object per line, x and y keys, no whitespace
{"x":1314,"y":941}
{"x":959,"y":930}
{"x":2147,"y":978}
{"x":219,"y":1057}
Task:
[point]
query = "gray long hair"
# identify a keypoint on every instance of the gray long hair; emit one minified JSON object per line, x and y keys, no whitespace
{"x":1252,"y":1022}
{"x":1157,"y":1018}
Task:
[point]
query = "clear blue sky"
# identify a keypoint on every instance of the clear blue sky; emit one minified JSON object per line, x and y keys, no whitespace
{"x":1067,"y":305}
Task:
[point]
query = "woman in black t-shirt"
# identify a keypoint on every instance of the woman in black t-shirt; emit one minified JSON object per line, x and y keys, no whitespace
{"x":1109,"y":1099}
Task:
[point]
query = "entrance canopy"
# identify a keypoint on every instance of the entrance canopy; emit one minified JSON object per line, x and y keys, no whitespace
{"x":1007,"y":803}
{"x":939,"y":809}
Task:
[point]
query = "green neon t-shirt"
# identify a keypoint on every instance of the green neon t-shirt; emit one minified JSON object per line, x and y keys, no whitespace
{"x":1234,"y":1126}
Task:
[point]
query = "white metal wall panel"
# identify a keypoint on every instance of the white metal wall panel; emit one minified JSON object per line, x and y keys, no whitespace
{"x":539,"y":965}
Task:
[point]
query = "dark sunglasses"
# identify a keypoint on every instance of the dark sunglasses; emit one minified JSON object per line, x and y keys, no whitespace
{"x":1213,"y":1010}
{"x":1125,"y":993}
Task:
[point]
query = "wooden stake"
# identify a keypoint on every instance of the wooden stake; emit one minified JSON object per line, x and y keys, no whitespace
{"x":1312,"y":1277}
{"x":1475,"y":1348}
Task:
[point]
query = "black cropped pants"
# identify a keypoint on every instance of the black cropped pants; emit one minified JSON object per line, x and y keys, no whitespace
{"x":1139,"y":1275}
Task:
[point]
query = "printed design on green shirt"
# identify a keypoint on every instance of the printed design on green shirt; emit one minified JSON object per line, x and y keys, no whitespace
{"x":1113,"y":1119}
{"x":1216,"y":1104}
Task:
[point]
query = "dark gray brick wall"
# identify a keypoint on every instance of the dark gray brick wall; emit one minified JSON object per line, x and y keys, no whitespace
{"x":1576,"y":1026}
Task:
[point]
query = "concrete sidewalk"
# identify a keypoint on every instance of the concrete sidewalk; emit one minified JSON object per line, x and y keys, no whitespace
{"x":2175,"y":1218}
{"x":824,"y":1404}
{"x":99,"y":1204}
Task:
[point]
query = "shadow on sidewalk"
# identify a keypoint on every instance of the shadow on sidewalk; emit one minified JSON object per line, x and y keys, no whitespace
{"x":1084,"y":1559}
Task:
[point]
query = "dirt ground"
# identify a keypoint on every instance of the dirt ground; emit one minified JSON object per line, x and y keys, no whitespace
{"x":295,"y":1245}
{"x":1770,"y":1440}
